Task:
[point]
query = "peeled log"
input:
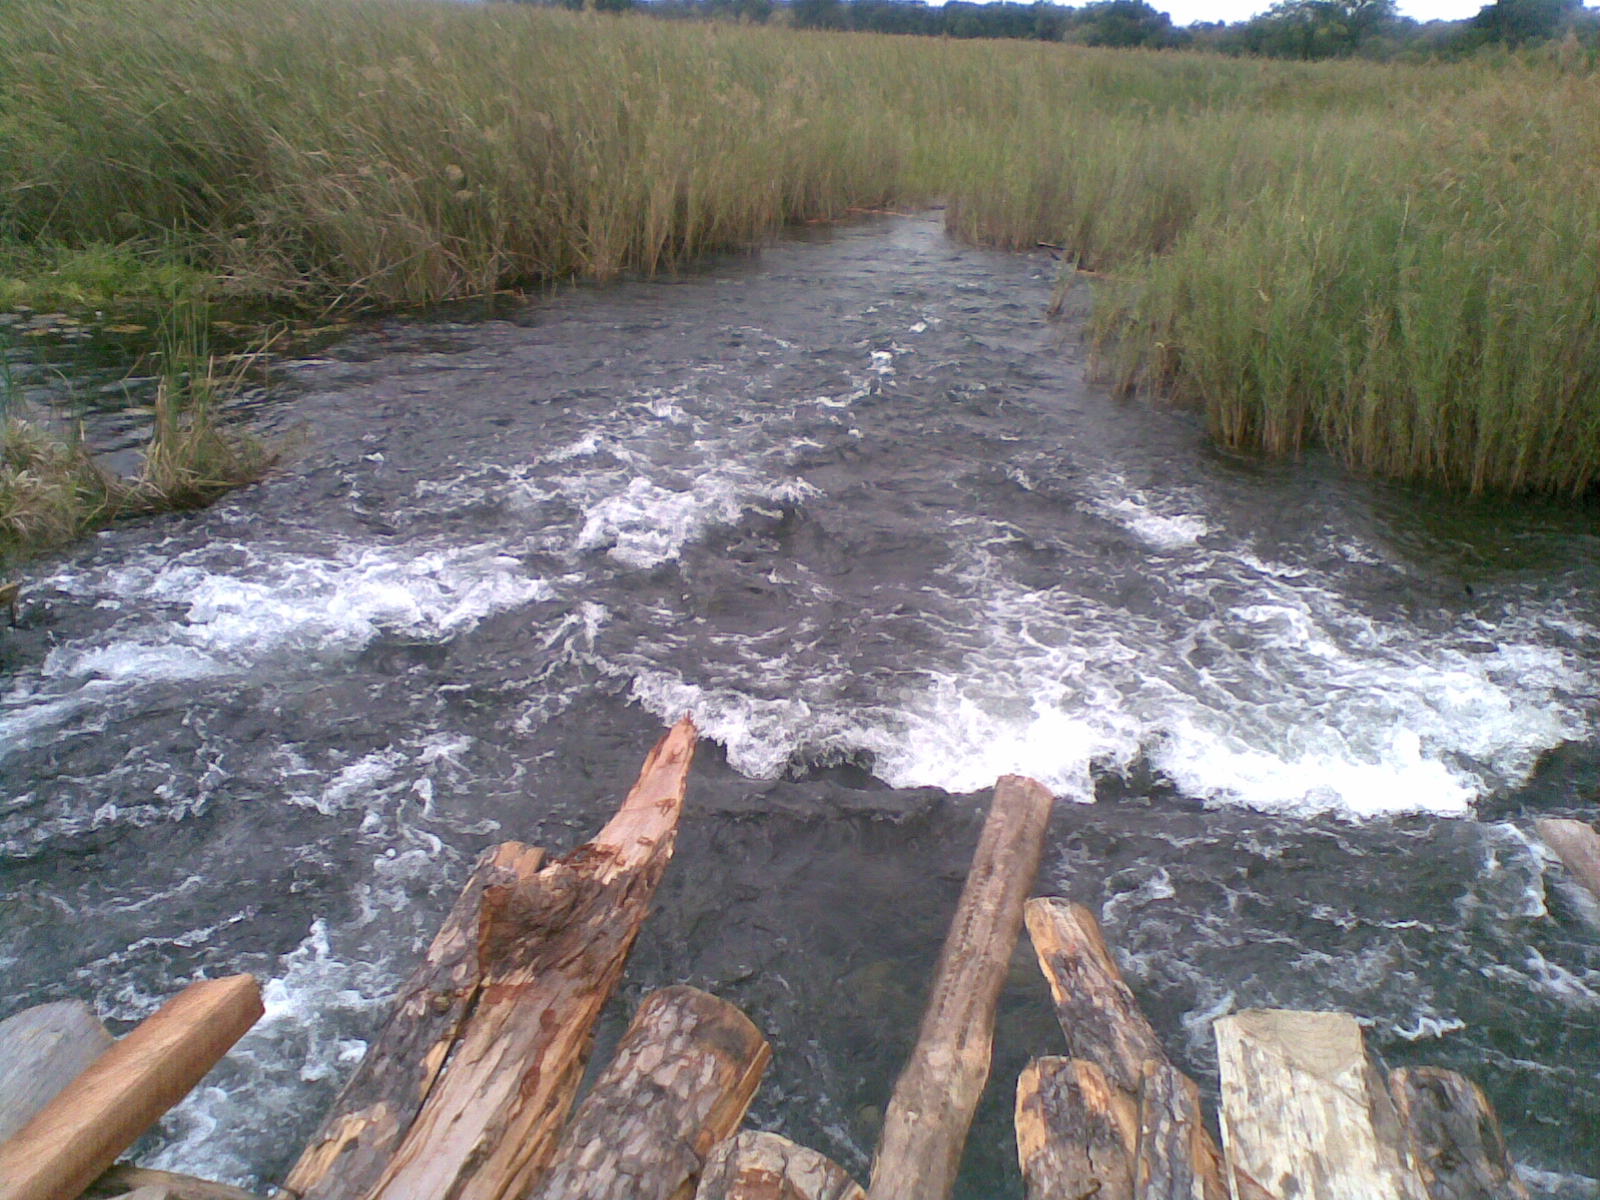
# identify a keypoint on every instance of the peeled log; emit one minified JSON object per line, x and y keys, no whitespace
{"x":682,"y":1078}
{"x":1453,"y":1136}
{"x":764,"y":1166}
{"x":41,"y":1051}
{"x":550,"y":951}
{"x":102,"y":1112}
{"x":351,"y":1148}
{"x":1304,"y":1114}
{"x":926,"y":1125}
{"x":1577,"y":845}
{"x":1076,"y":1132}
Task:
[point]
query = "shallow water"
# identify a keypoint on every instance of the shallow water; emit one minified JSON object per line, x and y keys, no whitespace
{"x":853,"y":505}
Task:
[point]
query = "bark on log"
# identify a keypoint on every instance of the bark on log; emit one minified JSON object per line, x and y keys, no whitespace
{"x":1453,"y":1136}
{"x":550,"y":950}
{"x":682,"y":1078}
{"x":125,"y":1090}
{"x":124,"y":1178}
{"x":1177,"y":1158}
{"x":41,"y":1051}
{"x":764,"y":1166}
{"x":1076,"y":1132}
{"x":926,"y":1125}
{"x":349,"y":1151}
{"x":1577,"y":845}
{"x":1304,"y":1114}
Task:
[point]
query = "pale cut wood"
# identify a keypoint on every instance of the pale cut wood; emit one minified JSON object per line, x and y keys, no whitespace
{"x":1577,"y":845}
{"x":125,"y":1090}
{"x":1304,"y":1114}
{"x":1177,"y":1158}
{"x":1454,"y":1136}
{"x":682,"y":1078}
{"x":1076,"y":1132}
{"x":355,"y":1141}
{"x":550,"y":952}
{"x":41,"y":1051}
{"x":764,"y":1166}
{"x":125,"y":1177}
{"x":925,"y":1127}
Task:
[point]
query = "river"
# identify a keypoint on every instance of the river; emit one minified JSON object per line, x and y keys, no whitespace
{"x":853,"y":503}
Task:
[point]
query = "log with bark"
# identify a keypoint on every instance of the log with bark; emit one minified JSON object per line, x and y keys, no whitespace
{"x":925,"y":1127}
{"x":680,"y":1083}
{"x":1453,"y":1136}
{"x":764,"y":1166}
{"x":490,"y":1039}
{"x":124,"y":1091}
{"x":1076,"y":1132}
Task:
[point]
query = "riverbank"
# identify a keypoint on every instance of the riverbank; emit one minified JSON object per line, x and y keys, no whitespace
{"x":1400,"y":262}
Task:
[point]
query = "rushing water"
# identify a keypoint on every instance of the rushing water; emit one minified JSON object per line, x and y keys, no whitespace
{"x":853,"y":505}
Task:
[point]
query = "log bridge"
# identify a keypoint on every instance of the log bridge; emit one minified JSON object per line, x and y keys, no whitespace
{"x":469,"y":1091}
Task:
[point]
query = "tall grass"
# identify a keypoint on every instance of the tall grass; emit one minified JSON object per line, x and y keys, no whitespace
{"x":1399,"y":261}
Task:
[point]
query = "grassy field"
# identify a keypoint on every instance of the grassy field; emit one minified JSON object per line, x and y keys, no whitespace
{"x":1399,"y":262}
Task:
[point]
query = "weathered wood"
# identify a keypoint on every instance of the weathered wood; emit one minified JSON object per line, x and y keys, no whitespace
{"x":550,"y":951}
{"x":1097,"y":1012}
{"x":1304,"y":1114}
{"x":926,"y":1125}
{"x":1453,"y":1136}
{"x":1177,"y":1157}
{"x":41,"y":1051}
{"x":377,"y":1106}
{"x":1577,"y":845}
{"x":125,"y":1090}
{"x":1076,"y":1132}
{"x":764,"y":1166}
{"x":682,"y":1078}
{"x":124,"y":1178}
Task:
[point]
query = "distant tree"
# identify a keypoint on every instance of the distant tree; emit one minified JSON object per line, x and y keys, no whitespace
{"x":1518,"y":22}
{"x":1120,"y":23}
{"x":1318,"y":28}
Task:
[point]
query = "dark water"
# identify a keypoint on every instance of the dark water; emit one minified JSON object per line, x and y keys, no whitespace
{"x":853,"y":505}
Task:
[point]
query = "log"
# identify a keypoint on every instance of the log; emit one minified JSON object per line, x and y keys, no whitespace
{"x":124,"y":1178}
{"x":1577,"y":845}
{"x":1176,"y":1158}
{"x":355,"y":1141}
{"x":764,"y":1166}
{"x":41,"y":1051}
{"x":1076,"y":1132}
{"x":925,"y":1127}
{"x":550,"y":950}
{"x":125,"y":1090}
{"x":682,"y":1078}
{"x":1304,"y":1114}
{"x":1453,"y":1136}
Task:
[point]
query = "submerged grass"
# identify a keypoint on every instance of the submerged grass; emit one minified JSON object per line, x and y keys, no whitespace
{"x":1398,"y":261}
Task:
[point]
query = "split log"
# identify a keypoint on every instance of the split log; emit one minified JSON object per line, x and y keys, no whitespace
{"x":125,"y":1090}
{"x":550,"y":948}
{"x":1175,"y":1156}
{"x":1453,"y":1136}
{"x":41,"y":1051}
{"x":1577,"y":845}
{"x":349,"y":1151}
{"x":764,"y":1166}
{"x":1076,"y":1132}
{"x":926,"y":1125}
{"x":1304,"y":1113}
{"x":124,"y":1178}
{"x":680,"y":1083}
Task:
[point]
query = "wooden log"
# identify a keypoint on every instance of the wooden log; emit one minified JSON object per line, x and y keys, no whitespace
{"x":350,"y":1150}
{"x":1304,"y":1114}
{"x":550,"y":951}
{"x":1577,"y":845}
{"x":1076,"y":1132}
{"x":125,"y":1090}
{"x":1453,"y":1136}
{"x":41,"y":1051}
{"x":682,"y":1078}
{"x":124,"y":1178}
{"x":925,"y":1127}
{"x":764,"y":1166}
{"x":1176,"y":1158}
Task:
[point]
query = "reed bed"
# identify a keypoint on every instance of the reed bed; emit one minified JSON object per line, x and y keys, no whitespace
{"x":1401,"y":262}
